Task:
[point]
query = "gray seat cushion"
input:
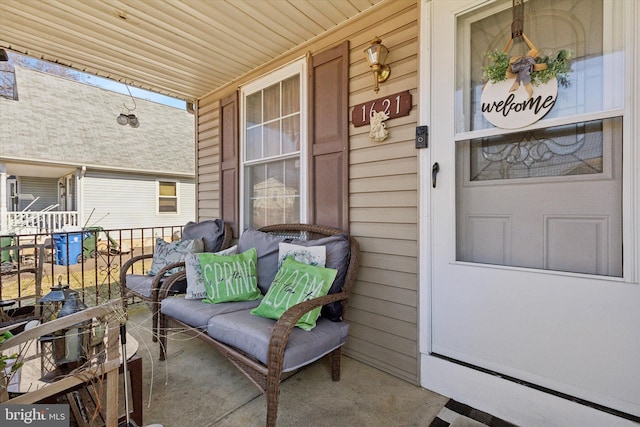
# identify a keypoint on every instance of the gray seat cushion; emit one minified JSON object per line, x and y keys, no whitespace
{"x":251,"y":335}
{"x":211,"y":232}
{"x":141,"y":285}
{"x":196,"y":313}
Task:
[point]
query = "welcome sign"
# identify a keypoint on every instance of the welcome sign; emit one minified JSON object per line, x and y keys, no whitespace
{"x":512,"y":109}
{"x":522,"y":89}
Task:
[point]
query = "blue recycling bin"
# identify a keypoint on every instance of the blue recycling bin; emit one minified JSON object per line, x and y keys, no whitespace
{"x":68,"y":248}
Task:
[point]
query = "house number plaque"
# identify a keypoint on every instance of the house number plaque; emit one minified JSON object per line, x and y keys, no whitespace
{"x":396,"y":105}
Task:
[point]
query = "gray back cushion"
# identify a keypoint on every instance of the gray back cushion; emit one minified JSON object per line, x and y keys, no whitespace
{"x":211,"y":231}
{"x":267,"y":247}
{"x":338,"y":253}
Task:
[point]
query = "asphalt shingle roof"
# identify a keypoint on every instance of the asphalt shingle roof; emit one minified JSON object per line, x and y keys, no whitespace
{"x":57,"y":119}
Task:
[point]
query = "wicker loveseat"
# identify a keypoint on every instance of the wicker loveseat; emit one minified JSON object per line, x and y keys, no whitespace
{"x":267,"y":350}
{"x":215,"y":234}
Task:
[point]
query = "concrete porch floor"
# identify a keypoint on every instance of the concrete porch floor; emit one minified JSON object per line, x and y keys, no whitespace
{"x":198,"y":387}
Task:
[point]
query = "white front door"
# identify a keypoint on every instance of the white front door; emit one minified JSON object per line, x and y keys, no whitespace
{"x":534,"y":232}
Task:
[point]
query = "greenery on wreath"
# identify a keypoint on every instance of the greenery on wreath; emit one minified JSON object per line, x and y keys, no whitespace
{"x":557,"y":66}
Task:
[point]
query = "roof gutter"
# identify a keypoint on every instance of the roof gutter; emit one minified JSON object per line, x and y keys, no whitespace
{"x":84,"y":167}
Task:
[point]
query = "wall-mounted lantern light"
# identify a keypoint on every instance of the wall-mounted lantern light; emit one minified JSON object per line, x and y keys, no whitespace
{"x":376,"y":55}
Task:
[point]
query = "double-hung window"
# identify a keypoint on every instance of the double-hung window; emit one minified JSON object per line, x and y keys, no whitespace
{"x":273,"y":141}
{"x":167,"y":197}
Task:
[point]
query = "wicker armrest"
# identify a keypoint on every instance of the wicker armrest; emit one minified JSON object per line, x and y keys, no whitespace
{"x":157,"y":279}
{"x":125,"y":268}
{"x":158,"y":283}
{"x":168,"y":283}
{"x":130,"y":262}
{"x":284,"y":326}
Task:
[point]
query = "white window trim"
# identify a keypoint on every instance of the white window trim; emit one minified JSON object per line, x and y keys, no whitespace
{"x":177,"y":183}
{"x":297,"y":67}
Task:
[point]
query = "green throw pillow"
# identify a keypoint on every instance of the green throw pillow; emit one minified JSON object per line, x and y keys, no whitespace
{"x":294,"y":283}
{"x":231,"y":277}
{"x":193,"y":270}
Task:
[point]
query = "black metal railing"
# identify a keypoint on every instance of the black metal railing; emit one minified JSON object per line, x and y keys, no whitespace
{"x":88,"y":260}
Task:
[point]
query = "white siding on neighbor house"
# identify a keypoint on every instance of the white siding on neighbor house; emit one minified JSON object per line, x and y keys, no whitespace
{"x":383,"y":189}
{"x":130,"y":201}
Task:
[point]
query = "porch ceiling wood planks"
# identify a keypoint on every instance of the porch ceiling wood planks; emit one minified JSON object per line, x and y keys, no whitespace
{"x":181,"y":48}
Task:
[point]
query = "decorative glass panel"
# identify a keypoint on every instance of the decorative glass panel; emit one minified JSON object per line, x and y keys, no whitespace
{"x":559,"y":151}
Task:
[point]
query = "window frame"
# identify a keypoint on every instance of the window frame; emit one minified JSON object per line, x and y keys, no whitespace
{"x":299,"y":67}
{"x":159,"y":196}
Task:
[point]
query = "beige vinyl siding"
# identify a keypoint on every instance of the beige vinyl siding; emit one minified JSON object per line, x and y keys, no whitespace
{"x":383,"y":189}
{"x":383,"y":208}
{"x":208,"y":159}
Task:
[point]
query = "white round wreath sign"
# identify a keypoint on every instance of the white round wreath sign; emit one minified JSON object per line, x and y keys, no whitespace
{"x":515,"y":96}
{"x":515,"y":109}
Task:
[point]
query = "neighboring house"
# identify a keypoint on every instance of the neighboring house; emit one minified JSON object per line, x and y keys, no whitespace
{"x":495,"y":269}
{"x":64,"y":160}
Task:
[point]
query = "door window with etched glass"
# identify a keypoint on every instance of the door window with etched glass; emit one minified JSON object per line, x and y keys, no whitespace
{"x":272,"y":157}
{"x":547,"y":195}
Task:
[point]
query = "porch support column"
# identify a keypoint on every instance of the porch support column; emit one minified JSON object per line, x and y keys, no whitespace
{"x":80,"y":195}
{"x":3,"y":198}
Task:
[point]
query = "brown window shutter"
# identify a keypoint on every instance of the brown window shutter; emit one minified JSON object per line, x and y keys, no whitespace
{"x":329,"y":137}
{"x":229,"y":173}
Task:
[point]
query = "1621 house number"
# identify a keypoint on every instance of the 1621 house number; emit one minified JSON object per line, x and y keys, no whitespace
{"x":396,"y":105}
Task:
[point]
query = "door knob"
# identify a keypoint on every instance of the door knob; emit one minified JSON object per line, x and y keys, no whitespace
{"x":434,"y":173}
